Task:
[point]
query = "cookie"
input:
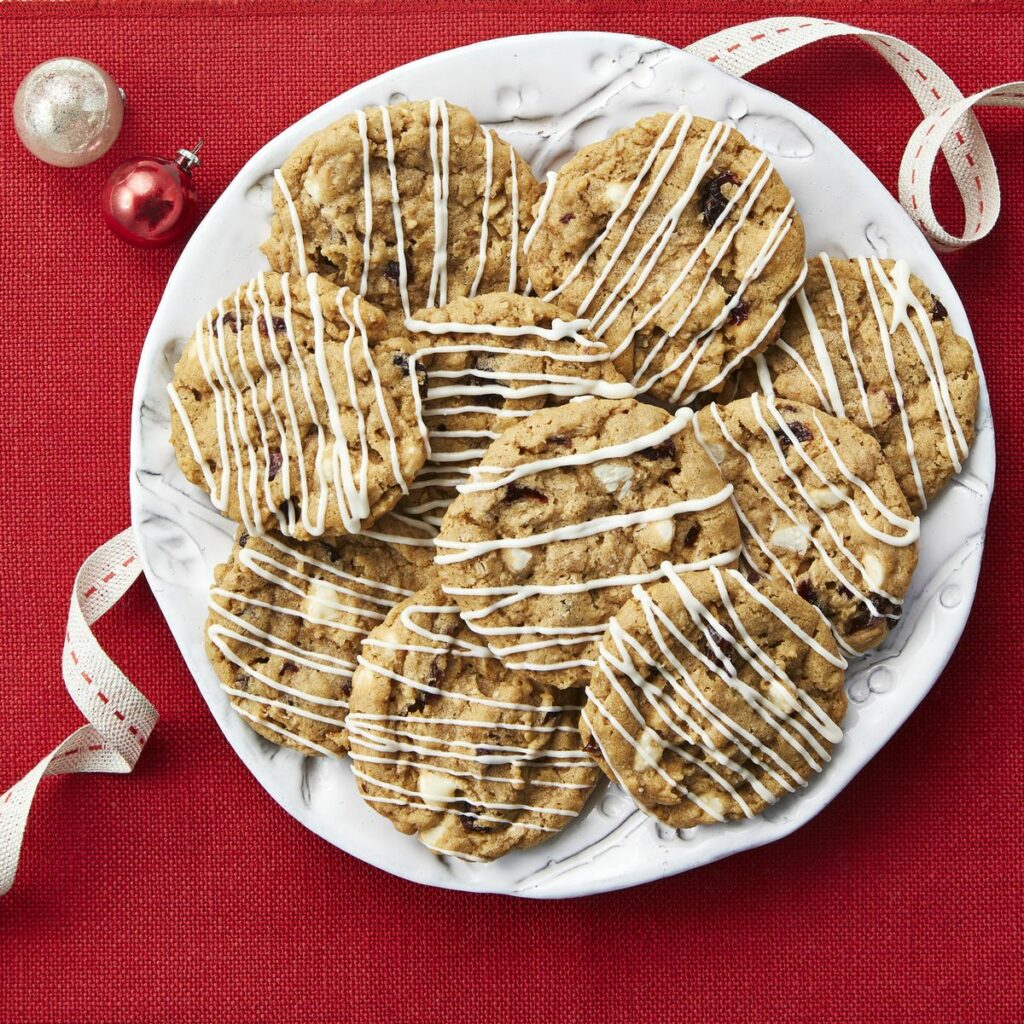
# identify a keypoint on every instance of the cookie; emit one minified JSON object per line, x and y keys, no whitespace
{"x":867,"y":341}
{"x":819,"y":508}
{"x":491,"y":362}
{"x":285,"y":624}
{"x":294,"y":411}
{"x":410,"y":206}
{"x":679,"y":242}
{"x":712,"y":697}
{"x":454,"y":748}
{"x":568,"y":510}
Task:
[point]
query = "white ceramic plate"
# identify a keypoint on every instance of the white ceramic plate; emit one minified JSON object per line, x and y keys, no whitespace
{"x":549,"y":95}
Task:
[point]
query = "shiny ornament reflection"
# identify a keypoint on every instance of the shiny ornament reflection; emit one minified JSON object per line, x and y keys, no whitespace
{"x":150,"y":201}
{"x":68,"y":111}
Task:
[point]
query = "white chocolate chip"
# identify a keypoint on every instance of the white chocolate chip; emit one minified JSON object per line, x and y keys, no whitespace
{"x":516,"y":558}
{"x":658,"y":534}
{"x":782,"y":697}
{"x":790,"y":538}
{"x":432,"y":836}
{"x":715,"y":804}
{"x":614,"y":476}
{"x":649,"y":748}
{"x":716,"y":451}
{"x":321,"y":601}
{"x":826,"y":497}
{"x":312,"y":189}
{"x":436,"y":789}
{"x":616,"y":192}
{"x":874,"y":571}
{"x":327,"y":465}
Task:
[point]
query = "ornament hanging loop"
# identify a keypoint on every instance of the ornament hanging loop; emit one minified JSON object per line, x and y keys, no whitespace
{"x":186,"y":159}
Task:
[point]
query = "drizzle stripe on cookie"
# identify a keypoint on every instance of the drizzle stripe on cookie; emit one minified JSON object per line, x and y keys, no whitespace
{"x":336,"y":472}
{"x":327,"y":594}
{"x":908,"y":314}
{"x":683,"y":710}
{"x":632,"y":277}
{"x":808,"y":510}
{"x":476,"y":750}
{"x":490,"y":478}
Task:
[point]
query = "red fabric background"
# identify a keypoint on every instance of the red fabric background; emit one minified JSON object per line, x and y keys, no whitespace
{"x":182,"y":893}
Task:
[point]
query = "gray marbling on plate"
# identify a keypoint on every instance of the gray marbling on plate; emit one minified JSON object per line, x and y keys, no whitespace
{"x":548,"y":95}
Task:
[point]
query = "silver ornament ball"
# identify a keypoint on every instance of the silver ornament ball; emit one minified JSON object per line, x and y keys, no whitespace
{"x":68,"y":111}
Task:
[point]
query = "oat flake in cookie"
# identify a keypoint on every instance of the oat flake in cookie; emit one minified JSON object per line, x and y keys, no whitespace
{"x":491,"y":361}
{"x":566,"y":512}
{"x":866,"y":341}
{"x":713,"y":697}
{"x":411,"y":206}
{"x":293,"y":410}
{"x":448,"y":744}
{"x":680,"y":243}
{"x":285,"y":625}
{"x":819,"y":509}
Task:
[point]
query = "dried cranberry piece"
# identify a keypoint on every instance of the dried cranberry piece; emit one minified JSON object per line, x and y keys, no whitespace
{"x":712,"y":202}
{"x":514,"y":493}
{"x":862,"y":620}
{"x":888,"y":608}
{"x":562,"y":440}
{"x":403,"y":362}
{"x":806,"y":590}
{"x":894,"y":406}
{"x":392,"y":271}
{"x":591,"y":747}
{"x":434,"y":677}
{"x":274,"y":464}
{"x":739,"y":312}
{"x":753,"y":576}
{"x":691,"y":535}
{"x":465,"y":811}
{"x":798,"y":430}
{"x":565,"y":218}
{"x":279,"y":325}
{"x":665,"y":450}
{"x":243,"y":540}
{"x":939,"y":312}
{"x":709,"y":652}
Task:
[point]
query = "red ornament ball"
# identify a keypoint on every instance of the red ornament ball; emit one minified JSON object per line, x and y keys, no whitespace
{"x":150,"y":201}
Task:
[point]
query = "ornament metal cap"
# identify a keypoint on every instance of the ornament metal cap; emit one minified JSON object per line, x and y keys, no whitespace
{"x":186,"y":159}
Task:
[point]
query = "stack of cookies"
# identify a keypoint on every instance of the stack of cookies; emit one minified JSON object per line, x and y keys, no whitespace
{"x":535,"y":485}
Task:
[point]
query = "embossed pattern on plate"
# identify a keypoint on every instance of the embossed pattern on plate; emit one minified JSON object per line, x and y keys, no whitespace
{"x":549,"y":95}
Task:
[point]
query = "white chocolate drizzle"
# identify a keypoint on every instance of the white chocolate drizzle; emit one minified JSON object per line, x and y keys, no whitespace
{"x":907,"y":313}
{"x":666,"y":710}
{"x":517,"y":643}
{"x":328,"y":595}
{"x":808,"y":512}
{"x":440,"y":143}
{"x":622,"y":282}
{"x":339,"y":475}
{"x":455,"y":392}
{"x":463,"y":751}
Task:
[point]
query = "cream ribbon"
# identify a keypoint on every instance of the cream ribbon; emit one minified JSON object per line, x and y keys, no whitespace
{"x":121,"y":719}
{"x":949,"y":124}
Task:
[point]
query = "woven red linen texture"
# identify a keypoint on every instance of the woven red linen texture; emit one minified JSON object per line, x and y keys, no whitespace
{"x":182,"y":893}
